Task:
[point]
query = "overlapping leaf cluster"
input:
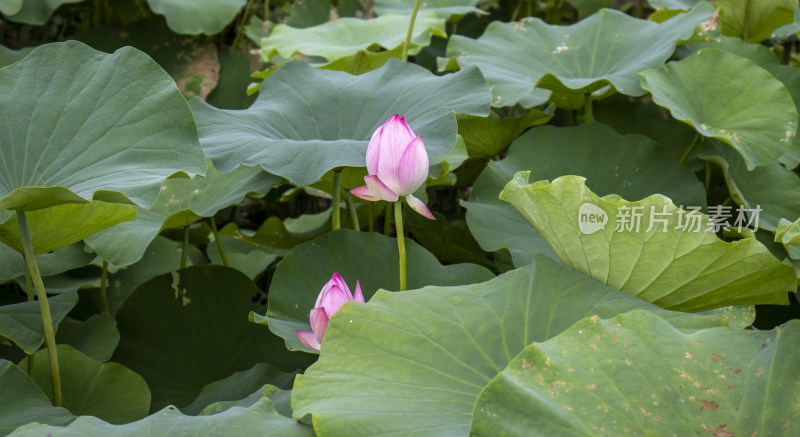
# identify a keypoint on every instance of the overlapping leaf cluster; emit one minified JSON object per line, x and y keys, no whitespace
{"x":125,"y":145}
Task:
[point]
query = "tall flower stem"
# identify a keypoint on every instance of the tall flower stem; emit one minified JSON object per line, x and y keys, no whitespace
{"x":32,"y":268}
{"x":351,"y":208}
{"x":691,"y":147}
{"x":29,"y":292}
{"x":242,"y":25}
{"x":401,"y":241}
{"x":184,"y":255}
{"x":407,"y":42}
{"x":336,"y":215}
{"x":219,"y":243}
{"x":104,"y":287}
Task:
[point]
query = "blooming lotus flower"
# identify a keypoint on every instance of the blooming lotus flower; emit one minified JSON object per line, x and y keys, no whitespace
{"x":397,"y":164}
{"x":333,"y":295}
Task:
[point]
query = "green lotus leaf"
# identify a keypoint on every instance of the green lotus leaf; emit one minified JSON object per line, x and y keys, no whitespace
{"x":180,"y":203}
{"x":750,"y":110}
{"x":22,"y":322}
{"x":788,"y":232}
{"x":363,"y":61}
{"x":328,"y":121}
{"x":162,"y":256}
{"x":10,"y":7}
{"x":258,"y":420}
{"x":488,"y":136}
{"x":367,"y":257}
{"x":96,"y":135}
{"x":242,"y":256}
{"x":608,"y":48}
{"x":61,"y":225}
{"x":109,"y":391}
{"x":345,"y":36}
{"x":771,"y":189}
{"x":790,"y":29}
{"x":755,"y":21}
{"x":430,"y":352}
{"x":636,"y":373}
{"x":95,"y":337}
{"x":215,"y":338}
{"x":12,"y":264}
{"x":33,"y":11}
{"x":238,"y":386}
{"x":631,"y":166}
{"x":22,"y":401}
{"x":442,"y":8}
{"x":659,"y":254}
{"x":193,"y":17}
{"x":763,"y":56}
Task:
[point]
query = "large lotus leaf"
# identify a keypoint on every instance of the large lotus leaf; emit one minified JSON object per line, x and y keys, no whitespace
{"x":109,"y":127}
{"x":22,"y":401}
{"x":750,"y":110}
{"x":61,"y":225}
{"x":428,"y":353}
{"x":368,"y":257}
{"x":258,"y":420}
{"x":787,"y":30}
{"x":162,"y":256}
{"x":12,"y":263}
{"x":631,"y":166}
{"x":488,"y":136}
{"x":35,"y":11}
{"x":180,"y":203}
{"x":608,"y":48}
{"x":442,"y":8}
{"x":197,"y":16}
{"x":766,"y":59}
{"x":96,"y":337}
{"x":10,"y":7}
{"x":22,"y":322}
{"x":660,"y":255}
{"x":238,"y":386}
{"x":771,"y":189}
{"x":243,"y":256}
{"x":330,"y":117}
{"x":754,"y":21}
{"x":179,"y":349}
{"x":636,"y":373}
{"x":109,"y":391}
{"x":345,"y":36}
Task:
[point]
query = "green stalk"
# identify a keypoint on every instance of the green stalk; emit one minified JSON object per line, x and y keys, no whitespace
{"x":242,"y":25}
{"x":707,"y":181}
{"x":219,"y":243}
{"x":351,"y":208}
{"x":691,"y":147}
{"x":336,"y":215}
{"x":401,"y":241}
{"x":184,"y":255}
{"x":407,"y":42}
{"x":29,"y":292}
{"x":387,"y":220}
{"x":588,"y":115}
{"x":103,"y":287}
{"x":32,"y":268}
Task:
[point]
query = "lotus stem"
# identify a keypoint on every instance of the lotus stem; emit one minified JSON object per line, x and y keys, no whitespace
{"x":29,"y":292}
{"x":32,"y":269}
{"x":401,"y":242}
{"x":242,"y":25}
{"x":407,"y":42}
{"x":351,"y":207}
{"x":219,"y":243}
{"x":691,"y":147}
{"x":588,"y":115}
{"x":104,"y":287}
{"x":336,"y":215}
{"x":184,"y":255}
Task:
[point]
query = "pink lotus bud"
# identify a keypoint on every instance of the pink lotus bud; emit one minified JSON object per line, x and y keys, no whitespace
{"x":332,"y":296}
{"x":397,"y":164}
